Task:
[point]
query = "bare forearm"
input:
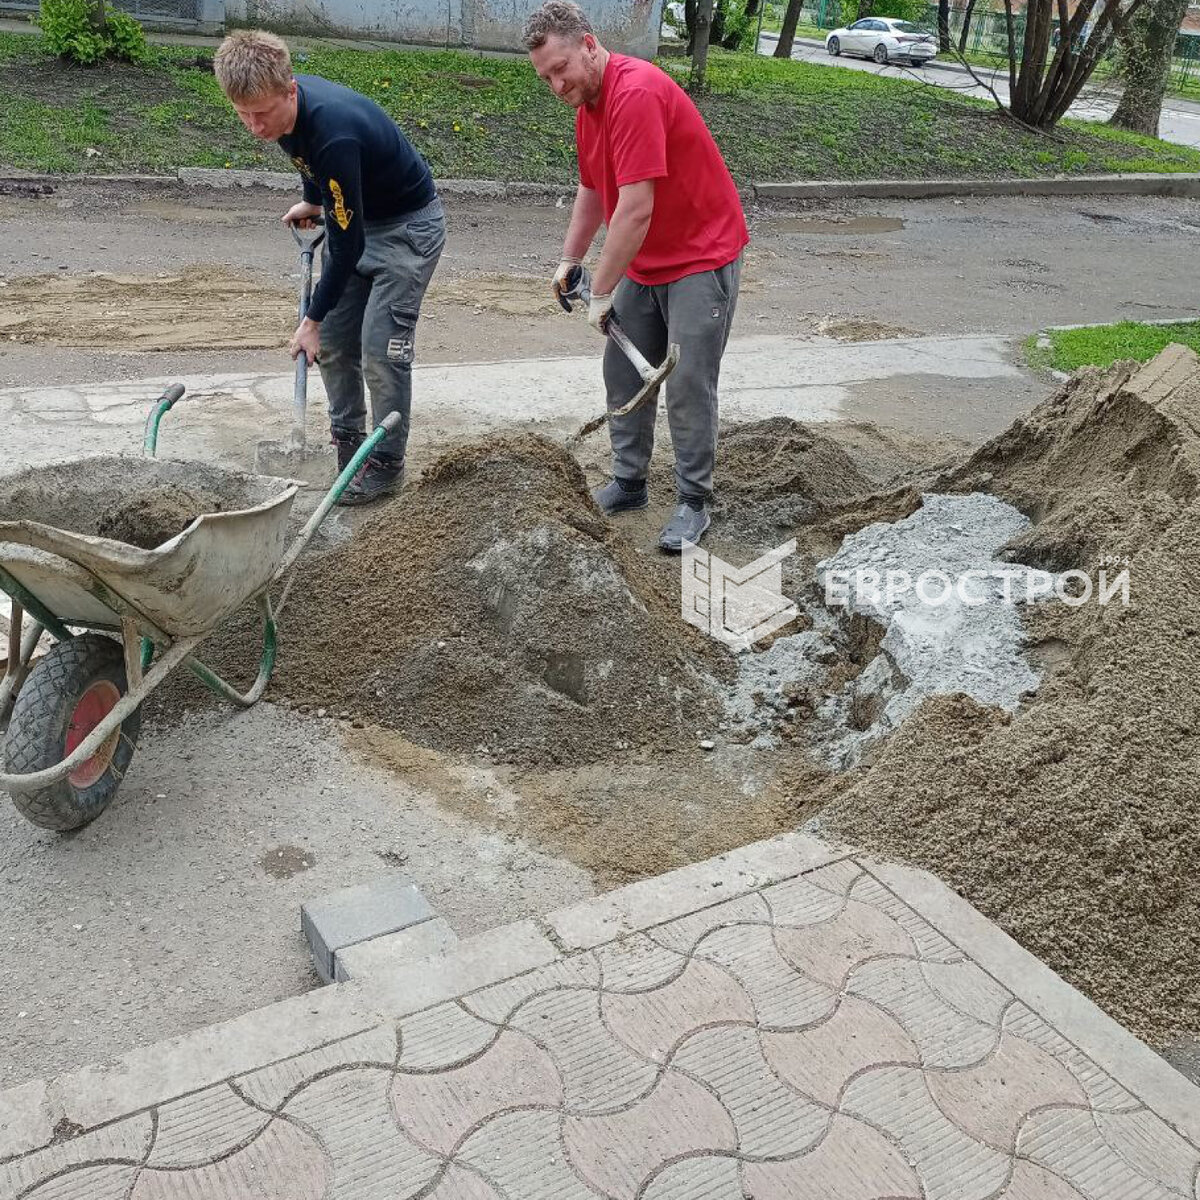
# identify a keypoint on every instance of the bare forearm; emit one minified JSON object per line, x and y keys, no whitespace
{"x":587,"y":213}
{"x":626,"y":232}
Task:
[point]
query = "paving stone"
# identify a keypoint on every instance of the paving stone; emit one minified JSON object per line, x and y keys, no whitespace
{"x":617,"y":1152}
{"x":802,"y":902}
{"x":437,"y":1110}
{"x":442,"y":1037}
{"x":1153,"y":1149}
{"x":636,"y":964}
{"x":989,"y":1101}
{"x":355,"y":914}
{"x":854,"y":1162}
{"x":25,"y":1121}
{"x":1068,"y":1142}
{"x":838,"y":877}
{"x":652,"y":1023}
{"x":498,"y":1002}
{"x":771,"y":1120}
{"x":598,"y":1071}
{"x":828,"y":952}
{"x":393,"y":950}
{"x":125,"y":1141}
{"x":272,"y":1085}
{"x":972,"y":991}
{"x":819,"y":1062}
{"x":951,"y":1165}
{"x":460,"y":1184}
{"x":371,"y":1159}
{"x":944,"y":1036}
{"x":522,"y":1154}
{"x":283,"y":1163}
{"x":204,"y":1126}
{"x":1035,"y":1183}
{"x":783,"y":998}
{"x":1103,"y":1092}
{"x":87,"y":1183}
{"x":683,"y":934}
{"x":703,"y":1178}
{"x":931,"y":944}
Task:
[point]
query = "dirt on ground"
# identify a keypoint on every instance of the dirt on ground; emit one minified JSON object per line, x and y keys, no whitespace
{"x":1075,"y":823}
{"x":156,"y":514}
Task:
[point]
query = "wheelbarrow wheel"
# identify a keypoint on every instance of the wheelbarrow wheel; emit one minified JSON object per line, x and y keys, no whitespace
{"x":68,"y":693}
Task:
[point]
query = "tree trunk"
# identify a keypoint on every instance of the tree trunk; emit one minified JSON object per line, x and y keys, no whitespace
{"x":966,"y":27}
{"x":704,"y":12}
{"x":864,"y":9}
{"x":1146,"y":48}
{"x":787,"y":35}
{"x":96,"y":16}
{"x":943,"y":25}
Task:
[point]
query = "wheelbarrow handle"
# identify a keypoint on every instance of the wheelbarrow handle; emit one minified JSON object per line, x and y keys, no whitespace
{"x":162,"y":406}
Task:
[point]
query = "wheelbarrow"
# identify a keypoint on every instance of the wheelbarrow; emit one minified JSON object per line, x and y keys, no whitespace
{"x":123,"y":617}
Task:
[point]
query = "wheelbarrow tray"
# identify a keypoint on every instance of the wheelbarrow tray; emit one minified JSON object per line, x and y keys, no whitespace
{"x":49,"y":516}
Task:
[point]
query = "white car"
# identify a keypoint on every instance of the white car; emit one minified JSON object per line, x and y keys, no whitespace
{"x":885,"y":39}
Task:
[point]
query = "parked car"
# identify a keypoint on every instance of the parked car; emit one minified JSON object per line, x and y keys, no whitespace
{"x":885,"y":39}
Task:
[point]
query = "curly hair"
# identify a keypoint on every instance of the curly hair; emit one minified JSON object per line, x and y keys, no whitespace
{"x":556,"y":18}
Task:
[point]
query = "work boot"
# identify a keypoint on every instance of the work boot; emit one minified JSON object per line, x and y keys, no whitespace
{"x":382,"y":476}
{"x":347,"y":443}
{"x":687,"y":524}
{"x":621,"y":495}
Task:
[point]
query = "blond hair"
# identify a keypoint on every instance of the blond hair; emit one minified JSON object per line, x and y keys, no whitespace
{"x":556,"y":18}
{"x":251,"y":62}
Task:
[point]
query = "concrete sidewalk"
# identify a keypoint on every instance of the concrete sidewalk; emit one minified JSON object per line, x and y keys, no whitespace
{"x":790,"y":1020}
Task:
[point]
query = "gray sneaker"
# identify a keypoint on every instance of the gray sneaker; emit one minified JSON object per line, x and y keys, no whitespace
{"x":687,"y":524}
{"x":619,"y":495}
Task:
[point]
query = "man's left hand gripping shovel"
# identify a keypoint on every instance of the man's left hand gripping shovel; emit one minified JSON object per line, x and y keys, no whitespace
{"x":579,"y":287}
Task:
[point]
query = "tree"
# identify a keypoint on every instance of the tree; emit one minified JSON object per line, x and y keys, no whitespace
{"x":787,"y":34}
{"x":1041,"y":91}
{"x":966,"y":26}
{"x":700,"y":36}
{"x":943,"y":25}
{"x":1146,"y":46}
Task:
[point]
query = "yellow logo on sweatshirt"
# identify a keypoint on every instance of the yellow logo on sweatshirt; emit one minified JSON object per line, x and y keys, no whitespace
{"x":341,"y":214}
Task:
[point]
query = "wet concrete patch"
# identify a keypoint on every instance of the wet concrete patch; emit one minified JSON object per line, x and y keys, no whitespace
{"x":284,"y":862}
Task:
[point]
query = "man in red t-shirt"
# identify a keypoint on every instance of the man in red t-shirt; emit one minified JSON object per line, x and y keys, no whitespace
{"x":650,"y":171}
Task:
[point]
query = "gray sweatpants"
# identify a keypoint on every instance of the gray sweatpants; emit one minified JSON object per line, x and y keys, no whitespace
{"x":369,"y":335}
{"x":696,"y":312}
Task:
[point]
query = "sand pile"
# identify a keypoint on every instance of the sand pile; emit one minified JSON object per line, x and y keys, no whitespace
{"x":492,"y":610}
{"x":1075,"y":823}
{"x":157,"y":513}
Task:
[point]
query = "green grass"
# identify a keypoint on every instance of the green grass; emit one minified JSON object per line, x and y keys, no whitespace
{"x":1103,"y":345}
{"x":493,"y":118}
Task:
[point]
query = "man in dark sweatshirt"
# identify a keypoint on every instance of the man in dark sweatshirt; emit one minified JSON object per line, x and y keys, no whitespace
{"x":385,"y":229}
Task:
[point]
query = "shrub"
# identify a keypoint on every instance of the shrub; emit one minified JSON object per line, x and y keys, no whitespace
{"x":67,"y":26}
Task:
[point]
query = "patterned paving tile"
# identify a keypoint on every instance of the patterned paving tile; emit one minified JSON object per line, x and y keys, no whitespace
{"x":598,"y":1071}
{"x":442,"y":1037}
{"x":831,"y":950}
{"x":854,"y":1162}
{"x":460,"y":1184}
{"x":498,"y":1002}
{"x":1036,"y":1183}
{"x":802,"y":902}
{"x":838,"y":877}
{"x":989,"y":1101}
{"x":651,"y":1023}
{"x":522,"y":1154}
{"x":771,"y":1120}
{"x":945,"y":1036}
{"x":282,"y":1163}
{"x":951,"y":1165}
{"x":682,"y":935}
{"x":783,"y":998}
{"x":1152,"y":1148}
{"x":636,"y":964}
{"x":931,"y":945}
{"x":703,"y":1178}
{"x":272,"y":1085}
{"x":617,"y":1152}
{"x":126,"y":1141}
{"x":371,"y":1158}
{"x":437,"y":1109}
{"x":87,"y":1183}
{"x":820,"y":1062}
{"x":203,"y":1127}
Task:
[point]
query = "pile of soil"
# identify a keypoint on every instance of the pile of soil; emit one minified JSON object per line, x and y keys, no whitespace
{"x":1075,"y":823}
{"x":156,"y":514}
{"x":493,"y":610}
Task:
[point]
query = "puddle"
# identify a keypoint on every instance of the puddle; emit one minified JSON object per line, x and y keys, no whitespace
{"x":820,"y":225}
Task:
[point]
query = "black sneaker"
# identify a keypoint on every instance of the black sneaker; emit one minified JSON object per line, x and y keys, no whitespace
{"x":621,"y":495}
{"x":382,"y":476}
{"x":347,"y":442}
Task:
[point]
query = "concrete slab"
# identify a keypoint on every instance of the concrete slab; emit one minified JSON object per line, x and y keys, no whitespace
{"x":362,"y":961}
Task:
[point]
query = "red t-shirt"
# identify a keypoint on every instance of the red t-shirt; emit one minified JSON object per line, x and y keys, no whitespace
{"x":645,"y":126}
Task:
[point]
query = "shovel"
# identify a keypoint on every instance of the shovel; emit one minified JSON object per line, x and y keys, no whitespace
{"x":283,"y":458}
{"x":579,"y":287}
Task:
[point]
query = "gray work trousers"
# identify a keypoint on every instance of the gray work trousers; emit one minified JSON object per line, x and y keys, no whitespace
{"x":370,"y":333}
{"x":695,"y":312}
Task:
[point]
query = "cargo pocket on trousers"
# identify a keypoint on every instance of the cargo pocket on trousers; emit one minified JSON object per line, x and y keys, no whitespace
{"x":426,"y":237}
{"x":403,"y":336}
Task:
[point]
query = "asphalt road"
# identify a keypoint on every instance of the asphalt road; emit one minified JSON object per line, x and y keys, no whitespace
{"x":1180,"y":118}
